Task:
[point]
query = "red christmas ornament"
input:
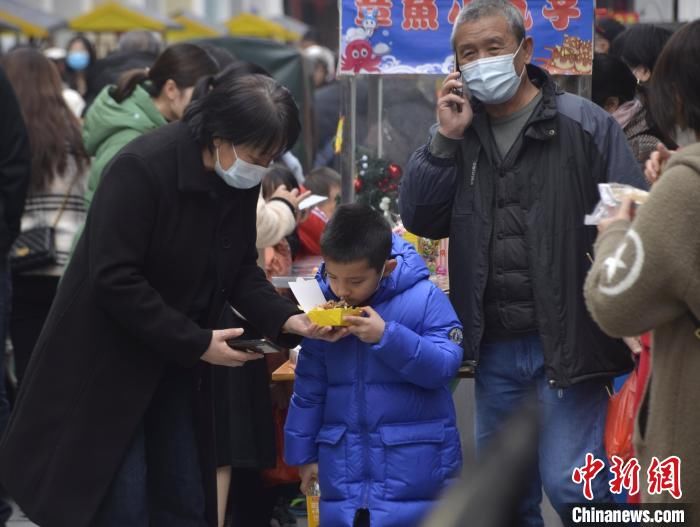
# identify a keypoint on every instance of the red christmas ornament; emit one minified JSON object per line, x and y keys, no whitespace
{"x":358,"y":185}
{"x":394,"y":171}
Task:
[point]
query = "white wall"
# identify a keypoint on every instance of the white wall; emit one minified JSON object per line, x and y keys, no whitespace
{"x":688,"y":10}
{"x":654,"y":10}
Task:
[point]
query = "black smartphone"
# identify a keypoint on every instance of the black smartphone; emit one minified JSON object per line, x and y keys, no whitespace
{"x":457,"y":91}
{"x":255,"y":345}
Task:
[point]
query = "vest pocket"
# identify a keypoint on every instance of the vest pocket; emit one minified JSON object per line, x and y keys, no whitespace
{"x":413,"y":460}
{"x":332,"y":462}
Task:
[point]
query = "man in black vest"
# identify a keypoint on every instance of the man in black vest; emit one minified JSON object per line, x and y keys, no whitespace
{"x":508,"y":174}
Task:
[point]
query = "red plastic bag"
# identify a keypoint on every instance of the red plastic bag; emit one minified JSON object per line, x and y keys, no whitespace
{"x":619,"y":424}
{"x":282,"y":473}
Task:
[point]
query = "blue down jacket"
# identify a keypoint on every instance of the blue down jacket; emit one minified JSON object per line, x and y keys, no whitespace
{"x":379,"y":419}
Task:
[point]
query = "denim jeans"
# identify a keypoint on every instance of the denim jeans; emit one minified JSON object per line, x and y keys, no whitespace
{"x":572,"y":422}
{"x":5,"y":306}
{"x":159,"y":483}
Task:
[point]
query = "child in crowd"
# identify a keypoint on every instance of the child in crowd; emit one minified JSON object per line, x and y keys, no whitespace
{"x":322,"y":182}
{"x":372,"y":416}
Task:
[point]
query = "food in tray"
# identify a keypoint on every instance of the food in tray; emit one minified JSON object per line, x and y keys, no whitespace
{"x":623,"y":191}
{"x":332,"y":313}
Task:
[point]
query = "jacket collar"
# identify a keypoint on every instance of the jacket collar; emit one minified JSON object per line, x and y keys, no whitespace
{"x":192,"y":176}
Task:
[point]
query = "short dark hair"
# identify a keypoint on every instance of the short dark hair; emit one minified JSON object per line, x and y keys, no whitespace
{"x":253,"y":110}
{"x":674,"y":83}
{"x":357,"y":232}
{"x":321,"y":180}
{"x":642,"y":45}
{"x":608,"y":28}
{"x":278,"y":174}
{"x":611,"y":78}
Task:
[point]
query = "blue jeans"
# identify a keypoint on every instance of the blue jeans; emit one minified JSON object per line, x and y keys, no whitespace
{"x":572,"y":423}
{"x":159,"y":483}
{"x":5,"y":305}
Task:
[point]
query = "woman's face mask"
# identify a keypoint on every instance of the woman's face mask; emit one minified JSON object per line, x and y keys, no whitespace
{"x":241,"y":174}
{"x":493,"y":80}
{"x":78,"y":60}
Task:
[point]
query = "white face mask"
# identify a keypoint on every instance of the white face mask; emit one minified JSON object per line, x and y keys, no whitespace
{"x":241,"y":174}
{"x":493,"y":80}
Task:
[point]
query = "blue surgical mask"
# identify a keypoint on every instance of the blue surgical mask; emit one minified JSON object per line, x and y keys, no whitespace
{"x":241,"y":174}
{"x":493,"y":80}
{"x":78,"y":60}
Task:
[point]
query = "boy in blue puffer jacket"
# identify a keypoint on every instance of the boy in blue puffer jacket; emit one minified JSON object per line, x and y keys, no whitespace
{"x":372,"y":415}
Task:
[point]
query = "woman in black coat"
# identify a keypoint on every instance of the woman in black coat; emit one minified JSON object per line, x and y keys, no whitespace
{"x":112,"y":426}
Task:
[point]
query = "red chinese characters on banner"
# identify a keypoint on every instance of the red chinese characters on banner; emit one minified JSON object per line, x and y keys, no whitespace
{"x":586,"y":474}
{"x":525,"y":11}
{"x":376,"y":11}
{"x":625,"y":476}
{"x":665,"y":476}
{"x":420,"y":14}
{"x":561,"y":12}
{"x":457,"y":6}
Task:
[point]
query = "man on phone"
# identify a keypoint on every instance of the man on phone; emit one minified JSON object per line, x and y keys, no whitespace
{"x":508,"y":174}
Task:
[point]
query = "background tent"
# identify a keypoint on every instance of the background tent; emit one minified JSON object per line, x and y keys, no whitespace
{"x":28,"y":20}
{"x":112,"y":17}
{"x":191,"y":27}
{"x":250,"y":25}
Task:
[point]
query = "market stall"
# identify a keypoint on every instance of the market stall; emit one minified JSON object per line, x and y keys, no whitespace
{"x":251,"y":25}
{"x":393,"y":58}
{"x":113,"y":17}
{"x":191,"y":27}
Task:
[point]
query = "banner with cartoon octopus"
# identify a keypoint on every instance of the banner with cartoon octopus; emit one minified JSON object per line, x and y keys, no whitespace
{"x":413,"y":36}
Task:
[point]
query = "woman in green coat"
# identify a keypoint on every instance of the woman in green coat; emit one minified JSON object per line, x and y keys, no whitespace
{"x":144,"y":99}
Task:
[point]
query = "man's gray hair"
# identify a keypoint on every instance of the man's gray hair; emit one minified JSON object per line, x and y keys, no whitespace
{"x":479,"y":9}
{"x":140,"y":40}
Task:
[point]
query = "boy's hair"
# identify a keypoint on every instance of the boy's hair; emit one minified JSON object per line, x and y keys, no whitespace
{"x":278,"y":174}
{"x":357,"y":232}
{"x":321,"y":180}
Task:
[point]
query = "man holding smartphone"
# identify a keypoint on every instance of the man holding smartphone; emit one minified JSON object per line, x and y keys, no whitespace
{"x":508,"y":175}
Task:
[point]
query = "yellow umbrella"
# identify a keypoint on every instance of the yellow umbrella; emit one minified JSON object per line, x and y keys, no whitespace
{"x":250,"y":25}
{"x":112,"y":17}
{"x":192,"y":27}
{"x":28,"y":20}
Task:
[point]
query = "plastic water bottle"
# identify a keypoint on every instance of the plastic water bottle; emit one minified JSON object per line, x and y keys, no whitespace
{"x":312,"y":503}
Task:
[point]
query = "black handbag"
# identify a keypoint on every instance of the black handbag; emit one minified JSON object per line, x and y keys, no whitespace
{"x":35,"y":248}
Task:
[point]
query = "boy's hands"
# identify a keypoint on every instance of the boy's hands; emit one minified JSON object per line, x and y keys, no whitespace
{"x":307,"y":473}
{"x":301,"y":325}
{"x":369,"y":329}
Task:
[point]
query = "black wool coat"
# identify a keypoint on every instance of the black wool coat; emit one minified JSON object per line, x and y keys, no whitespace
{"x":162,"y":233}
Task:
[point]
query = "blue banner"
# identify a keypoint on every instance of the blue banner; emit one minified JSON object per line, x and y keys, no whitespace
{"x":413,"y":36}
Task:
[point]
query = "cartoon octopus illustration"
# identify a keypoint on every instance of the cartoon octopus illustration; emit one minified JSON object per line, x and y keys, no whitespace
{"x":359,"y":56}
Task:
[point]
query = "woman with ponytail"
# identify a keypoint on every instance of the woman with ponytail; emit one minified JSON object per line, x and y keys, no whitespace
{"x":143,"y":99}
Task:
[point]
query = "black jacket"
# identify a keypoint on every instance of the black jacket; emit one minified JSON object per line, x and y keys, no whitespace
{"x":15,"y":167}
{"x":568,"y":147}
{"x":161,"y":230}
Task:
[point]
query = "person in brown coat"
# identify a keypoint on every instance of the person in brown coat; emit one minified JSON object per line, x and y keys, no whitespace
{"x":646,"y":275}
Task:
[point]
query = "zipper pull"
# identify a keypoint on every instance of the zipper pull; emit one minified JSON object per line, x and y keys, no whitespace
{"x":474,"y":165}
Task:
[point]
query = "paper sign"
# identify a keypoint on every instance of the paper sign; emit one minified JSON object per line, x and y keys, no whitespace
{"x":312,"y":200}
